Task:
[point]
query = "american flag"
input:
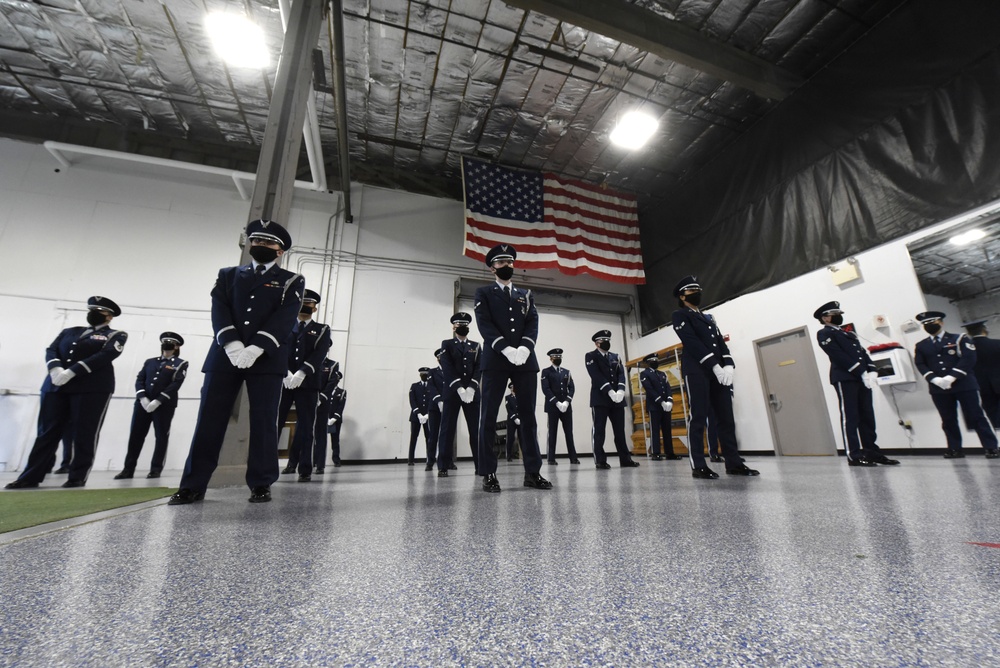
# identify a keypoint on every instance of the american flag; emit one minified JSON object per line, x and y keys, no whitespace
{"x":554,"y":223}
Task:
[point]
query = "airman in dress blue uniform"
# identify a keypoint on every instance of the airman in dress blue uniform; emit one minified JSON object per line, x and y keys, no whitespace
{"x":75,"y":394}
{"x":156,"y":387}
{"x":435,"y":380}
{"x":853,"y":375}
{"x":338,"y":401}
{"x":607,"y":400}
{"x":460,"y":372}
{"x":421,"y":394}
{"x":947,"y":362}
{"x":307,"y":350}
{"x":329,"y":375}
{"x":254,"y":307}
{"x":659,"y":404}
{"x":987,"y":369}
{"x":707,"y":368}
{"x":513,"y":423}
{"x":508,"y":322}
{"x":558,"y":389}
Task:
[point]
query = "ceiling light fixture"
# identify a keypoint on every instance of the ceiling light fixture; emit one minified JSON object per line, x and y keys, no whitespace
{"x":633,"y":130}
{"x":968,"y":237}
{"x":237,"y":40}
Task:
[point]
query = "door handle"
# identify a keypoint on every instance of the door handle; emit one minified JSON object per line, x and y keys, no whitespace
{"x":775,"y":404}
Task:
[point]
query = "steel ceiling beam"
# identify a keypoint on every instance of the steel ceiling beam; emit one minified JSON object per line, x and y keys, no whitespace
{"x":670,"y":40}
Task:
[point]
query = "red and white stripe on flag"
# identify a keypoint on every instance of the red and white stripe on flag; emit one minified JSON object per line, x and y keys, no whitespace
{"x":555,"y":223}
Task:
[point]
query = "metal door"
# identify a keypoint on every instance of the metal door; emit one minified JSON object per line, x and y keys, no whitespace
{"x":793,"y":389}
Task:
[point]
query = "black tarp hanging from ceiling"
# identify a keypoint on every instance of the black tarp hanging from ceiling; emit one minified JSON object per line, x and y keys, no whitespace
{"x":900,"y":132}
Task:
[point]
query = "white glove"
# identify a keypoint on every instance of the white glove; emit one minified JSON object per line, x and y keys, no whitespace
{"x":941,"y":382}
{"x":727,"y":375}
{"x":422,"y":418}
{"x":144,"y":402}
{"x":866,"y":380}
{"x":621,"y":396}
{"x":153,"y":405}
{"x":522,"y":355}
{"x":233,"y":350}
{"x":563,"y":406}
{"x":440,"y":406}
{"x":666,"y":406}
{"x":466,"y":394}
{"x":54,"y":372}
{"x":950,"y":380}
{"x":331,"y":422}
{"x":720,"y":375}
{"x":294,"y":380}
{"x":510,"y":353}
{"x":517,"y":421}
{"x":64,"y":378}
{"x":872,"y":378}
{"x":248,"y":357}
{"x":613,"y":395}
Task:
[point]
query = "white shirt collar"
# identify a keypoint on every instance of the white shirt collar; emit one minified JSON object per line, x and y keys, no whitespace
{"x":503,"y":287}
{"x":267,"y":267}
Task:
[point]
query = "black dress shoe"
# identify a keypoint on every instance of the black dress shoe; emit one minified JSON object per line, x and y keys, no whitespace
{"x":69,"y":484}
{"x":672,"y":458}
{"x":885,"y":461}
{"x":318,"y":471}
{"x":553,"y":462}
{"x":125,"y":475}
{"x":741,"y":469}
{"x":452,"y":467}
{"x":510,"y":459}
{"x":287,"y":470}
{"x":715,"y":458}
{"x":603,"y":466}
{"x":861,"y":461}
{"x":184,"y":496}
{"x":443,"y":473}
{"x":429,"y":467}
{"x":153,"y":474}
{"x":993,"y":454}
{"x":574,"y":461}
{"x":410,"y":463}
{"x":304,"y":477}
{"x":336,"y":465}
{"x":630,"y":464}
{"x":951,"y":454}
{"x":536,"y":481}
{"x":21,"y":484}
{"x":704,"y":473}
{"x":656,"y":458}
{"x":491,"y":484}
{"x":260,"y":495}
{"x":61,"y":470}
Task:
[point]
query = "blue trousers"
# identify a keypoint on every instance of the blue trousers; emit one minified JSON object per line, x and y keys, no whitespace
{"x":449,"y":426}
{"x":706,"y":394}
{"x":555,"y":417}
{"x":947,"y":404}
{"x":85,"y":412}
{"x":300,"y":451}
{"x":218,"y":397}
{"x":601,"y":416}
{"x":857,"y":419}
{"x":160,"y":420}
{"x":659,"y":422}
{"x":414,"y":431}
{"x":493,"y":386}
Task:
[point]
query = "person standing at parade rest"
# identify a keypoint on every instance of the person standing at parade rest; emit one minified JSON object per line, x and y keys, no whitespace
{"x":435,"y":383}
{"x":460,"y":371}
{"x":607,"y":400}
{"x":987,"y":369}
{"x":254,"y":307}
{"x":508,"y":322}
{"x":307,"y":349}
{"x":659,"y":404}
{"x":558,"y":389}
{"x":947,"y":362}
{"x":513,"y":423}
{"x":77,"y":392}
{"x":707,"y":368}
{"x":420,"y":396}
{"x":157,"y":384}
{"x":338,"y":401}
{"x":329,"y":376}
{"x":853,"y":375}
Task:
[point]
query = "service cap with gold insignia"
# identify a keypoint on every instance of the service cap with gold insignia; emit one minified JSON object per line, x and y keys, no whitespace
{"x":829,"y":308}
{"x":104,"y":304}
{"x":603,"y":335}
{"x":172,"y":337}
{"x":270,"y":231}
{"x":930,"y":316}
{"x":689,"y":282}
{"x":461,"y":318}
{"x":501,"y":252}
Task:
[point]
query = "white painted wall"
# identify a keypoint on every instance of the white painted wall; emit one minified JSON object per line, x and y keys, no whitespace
{"x":153,"y":240}
{"x":888,"y":286}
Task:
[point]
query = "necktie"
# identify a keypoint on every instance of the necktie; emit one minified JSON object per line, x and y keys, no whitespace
{"x":260,"y":269}
{"x":506,"y":291}
{"x":298,"y":327}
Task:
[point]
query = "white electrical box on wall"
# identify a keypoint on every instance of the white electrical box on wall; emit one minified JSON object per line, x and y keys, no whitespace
{"x":845,"y":272}
{"x":893,"y":366}
{"x":880,"y":321}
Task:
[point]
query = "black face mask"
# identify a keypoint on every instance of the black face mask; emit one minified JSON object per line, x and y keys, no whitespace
{"x":263,"y":254}
{"x":693,"y":299}
{"x":556,"y":362}
{"x":604,"y":345}
{"x":95,"y":318}
{"x":462,"y":330}
{"x":505,"y":273}
{"x":653,"y":365}
{"x":167,"y":350}
{"x":837,"y":320}
{"x":423,"y":376}
{"x":306,"y":310}
{"x":932,"y":328}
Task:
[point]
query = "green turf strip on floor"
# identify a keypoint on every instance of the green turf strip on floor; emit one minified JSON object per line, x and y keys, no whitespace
{"x":27,"y":508}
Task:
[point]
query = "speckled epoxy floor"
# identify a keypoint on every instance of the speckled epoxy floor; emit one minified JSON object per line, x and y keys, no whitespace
{"x":811,"y":564}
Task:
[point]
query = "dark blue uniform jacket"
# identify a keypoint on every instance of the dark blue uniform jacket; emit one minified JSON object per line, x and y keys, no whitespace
{"x":420,"y":397}
{"x":954,"y":355}
{"x":505,"y":323}
{"x":160,"y":378}
{"x":510,"y":402}
{"x":848,"y":358}
{"x":606,"y":373}
{"x":987,"y":363}
{"x":436,"y":382}
{"x":460,"y":366}
{"x":656,"y":386}
{"x":704,"y":346}
{"x":88,"y":353}
{"x":306,"y":353}
{"x":557,"y":385}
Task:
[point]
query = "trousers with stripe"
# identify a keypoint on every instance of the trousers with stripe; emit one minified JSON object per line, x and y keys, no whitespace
{"x":857,"y":419}
{"x":601,"y":415}
{"x":300,"y":451}
{"x":555,"y":418}
{"x":494,"y":387}
{"x":947,"y":404}
{"x":659,"y":423}
{"x":449,"y":427}
{"x":160,"y":420}
{"x":709,"y":396}
{"x":415,"y":428}
{"x":85,"y":412}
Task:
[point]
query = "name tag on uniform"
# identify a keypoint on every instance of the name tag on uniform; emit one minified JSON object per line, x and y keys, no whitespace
{"x":98,"y":337}
{"x":273,"y":284}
